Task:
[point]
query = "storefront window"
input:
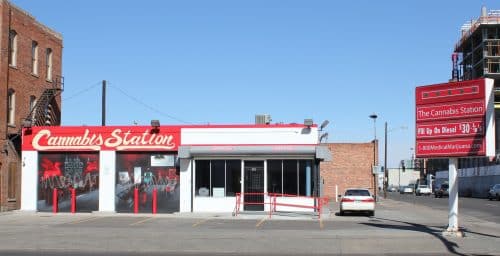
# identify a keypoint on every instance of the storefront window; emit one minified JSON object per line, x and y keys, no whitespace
{"x":217,"y":178}
{"x":148,"y":173}
{"x":65,"y":171}
{"x":274,"y":176}
{"x":202,"y":178}
{"x":233,"y":177}
{"x":288,"y":176}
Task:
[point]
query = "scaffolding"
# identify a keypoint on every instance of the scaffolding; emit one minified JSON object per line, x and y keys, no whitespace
{"x":479,"y":47}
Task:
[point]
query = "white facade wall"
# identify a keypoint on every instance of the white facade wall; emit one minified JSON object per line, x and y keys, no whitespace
{"x":29,"y":181}
{"x":107,"y":181}
{"x":186,"y":189}
{"x":248,"y":136}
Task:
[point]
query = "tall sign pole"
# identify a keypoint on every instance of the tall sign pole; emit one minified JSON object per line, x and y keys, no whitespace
{"x":453,"y":196}
{"x":455,"y":120}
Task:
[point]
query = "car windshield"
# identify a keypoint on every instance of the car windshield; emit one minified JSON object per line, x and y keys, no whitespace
{"x":357,"y":192}
{"x":422,"y":186}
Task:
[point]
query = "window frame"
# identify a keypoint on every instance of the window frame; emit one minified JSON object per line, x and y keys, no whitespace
{"x":33,"y":101}
{"x":48,"y":64}
{"x":11,"y":111}
{"x":34,"y":58}
{"x":211,"y":169}
{"x":298,"y":179}
{"x":13,"y":38}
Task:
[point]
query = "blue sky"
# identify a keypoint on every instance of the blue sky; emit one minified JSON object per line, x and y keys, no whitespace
{"x":222,"y":62}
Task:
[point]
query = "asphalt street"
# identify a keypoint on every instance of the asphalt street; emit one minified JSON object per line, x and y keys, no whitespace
{"x":397,"y":228}
{"x":484,"y":209}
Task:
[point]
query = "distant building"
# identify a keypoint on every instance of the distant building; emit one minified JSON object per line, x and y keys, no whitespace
{"x":402,"y":177}
{"x":31,"y":83}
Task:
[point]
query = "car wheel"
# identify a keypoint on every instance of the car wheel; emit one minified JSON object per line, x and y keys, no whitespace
{"x":435,"y":196}
{"x":371,"y":213}
{"x":341,"y":213}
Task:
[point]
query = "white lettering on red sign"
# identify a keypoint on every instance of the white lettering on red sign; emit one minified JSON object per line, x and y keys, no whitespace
{"x":469,"y":147}
{"x":450,"y":129}
{"x":450,"y":111}
{"x":118,"y":139}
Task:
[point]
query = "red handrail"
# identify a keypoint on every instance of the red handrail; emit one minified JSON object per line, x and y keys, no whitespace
{"x":319,"y":202}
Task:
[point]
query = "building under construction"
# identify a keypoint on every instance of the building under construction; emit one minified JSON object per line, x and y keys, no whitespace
{"x":477,"y":55}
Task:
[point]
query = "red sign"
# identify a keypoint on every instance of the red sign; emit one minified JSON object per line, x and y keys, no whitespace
{"x":129,"y":138}
{"x":450,"y":129}
{"x":455,"y":119}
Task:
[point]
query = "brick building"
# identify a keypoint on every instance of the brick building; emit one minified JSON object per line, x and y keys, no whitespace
{"x":30,"y":87}
{"x":351,"y":167}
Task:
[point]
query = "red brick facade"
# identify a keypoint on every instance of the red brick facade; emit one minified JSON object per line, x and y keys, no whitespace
{"x":20,"y":80}
{"x":351,"y":167}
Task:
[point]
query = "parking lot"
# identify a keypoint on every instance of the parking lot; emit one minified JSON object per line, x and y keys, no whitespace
{"x":395,"y":223}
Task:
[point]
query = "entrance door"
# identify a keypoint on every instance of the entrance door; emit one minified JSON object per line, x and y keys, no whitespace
{"x":254,"y":183}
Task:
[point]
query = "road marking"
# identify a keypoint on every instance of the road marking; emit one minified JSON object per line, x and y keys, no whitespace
{"x":141,"y":221}
{"x":491,"y":205}
{"x":200,"y":222}
{"x":321,"y":226}
{"x":260,"y":222}
{"x":85,"y":220}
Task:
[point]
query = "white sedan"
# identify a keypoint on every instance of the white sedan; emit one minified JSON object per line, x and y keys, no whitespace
{"x":357,"y":200}
{"x":406,"y":190}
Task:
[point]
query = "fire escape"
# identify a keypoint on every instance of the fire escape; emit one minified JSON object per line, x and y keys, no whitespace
{"x":46,"y":111}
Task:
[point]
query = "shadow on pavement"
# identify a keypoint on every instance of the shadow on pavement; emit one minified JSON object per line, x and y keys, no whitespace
{"x":480,"y":234}
{"x":432,"y":230}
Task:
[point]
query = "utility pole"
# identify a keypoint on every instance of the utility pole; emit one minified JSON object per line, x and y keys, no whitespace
{"x":385,"y":162}
{"x":374,"y":117}
{"x":103,"y":103}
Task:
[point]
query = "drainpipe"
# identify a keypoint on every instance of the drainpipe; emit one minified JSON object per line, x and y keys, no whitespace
{"x":7,"y":78}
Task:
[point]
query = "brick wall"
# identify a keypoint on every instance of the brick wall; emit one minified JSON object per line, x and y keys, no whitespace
{"x":23,"y":82}
{"x":351,"y":167}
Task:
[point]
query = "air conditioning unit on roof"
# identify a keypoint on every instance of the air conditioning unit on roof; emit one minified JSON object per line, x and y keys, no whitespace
{"x":263,"y":119}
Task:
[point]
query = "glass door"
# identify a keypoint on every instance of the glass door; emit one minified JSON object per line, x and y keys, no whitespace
{"x":254,"y":186}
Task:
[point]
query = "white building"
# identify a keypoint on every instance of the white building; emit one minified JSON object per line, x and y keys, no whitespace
{"x":170,"y":168}
{"x":397,"y":177}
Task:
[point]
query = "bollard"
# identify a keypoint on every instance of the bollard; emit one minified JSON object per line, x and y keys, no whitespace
{"x":155,"y":200}
{"x":73,"y":200}
{"x":319,"y":205}
{"x":54,"y":200}
{"x":136,"y":200}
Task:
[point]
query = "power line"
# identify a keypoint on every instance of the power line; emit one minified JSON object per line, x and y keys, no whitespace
{"x":146,"y":105}
{"x":82,"y":91}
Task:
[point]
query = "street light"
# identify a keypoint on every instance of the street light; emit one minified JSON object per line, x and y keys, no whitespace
{"x":374,"y":117}
{"x":386,"y":174}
